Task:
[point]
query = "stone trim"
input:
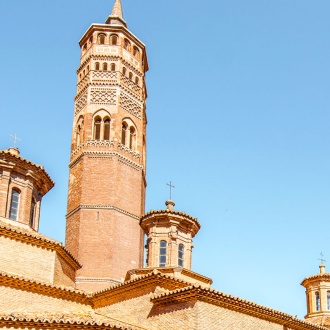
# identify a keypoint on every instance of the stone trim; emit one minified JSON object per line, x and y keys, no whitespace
{"x":101,"y":207}
{"x":38,"y":240}
{"x":198,"y":293}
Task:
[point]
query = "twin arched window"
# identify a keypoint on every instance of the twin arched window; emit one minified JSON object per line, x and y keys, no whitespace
{"x":101,"y":39}
{"x":162,"y":253}
{"x":14,"y":204}
{"x":127,"y":45}
{"x":101,"y":129}
{"x":128,"y":135}
{"x":114,"y":39}
{"x":104,"y":66}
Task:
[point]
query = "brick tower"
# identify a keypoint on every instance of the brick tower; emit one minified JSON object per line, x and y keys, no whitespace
{"x":107,"y":182}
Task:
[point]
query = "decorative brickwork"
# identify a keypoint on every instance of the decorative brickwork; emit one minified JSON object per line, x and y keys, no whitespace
{"x":103,"y":96}
{"x":81,"y":103}
{"x":130,"y":105}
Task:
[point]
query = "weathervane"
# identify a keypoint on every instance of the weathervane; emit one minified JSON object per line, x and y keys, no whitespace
{"x":15,"y":139}
{"x":171,"y":186}
{"x":322,"y":260}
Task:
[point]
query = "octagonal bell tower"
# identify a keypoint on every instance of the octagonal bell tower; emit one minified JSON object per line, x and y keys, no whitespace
{"x":107,"y":182}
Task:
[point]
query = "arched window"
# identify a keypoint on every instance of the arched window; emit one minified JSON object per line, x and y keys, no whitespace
{"x":113,"y":39}
{"x":127,"y":45}
{"x":85,"y":47}
{"x":124,"y":71}
{"x":32,"y":212}
{"x":87,"y":68}
{"x":123,"y":133}
{"x":14,"y":204}
{"x":97,"y":66}
{"x":113,"y":67}
{"x":101,"y":39}
{"x":105,"y":66}
{"x":135,"y":51}
{"x":328,"y":300}
{"x":91,"y":40}
{"x":317,"y":301}
{"x":137,"y":81}
{"x":180,"y":255}
{"x":131,"y":137}
{"x":97,"y":128}
{"x":162,"y":253}
{"x":106,"y":129}
{"x":130,"y":75}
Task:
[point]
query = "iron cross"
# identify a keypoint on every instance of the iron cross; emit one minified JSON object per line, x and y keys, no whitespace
{"x":171,"y":186}
{"x":322,"y":260}
{"x":15,"y":139}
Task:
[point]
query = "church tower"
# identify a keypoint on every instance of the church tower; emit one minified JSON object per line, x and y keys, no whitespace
{"x":107,"y":181}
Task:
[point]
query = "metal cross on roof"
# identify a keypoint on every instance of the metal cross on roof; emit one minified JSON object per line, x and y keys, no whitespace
{"x":15,"y":139}
{"x":171,"y":186}
{"x":322,"y":260}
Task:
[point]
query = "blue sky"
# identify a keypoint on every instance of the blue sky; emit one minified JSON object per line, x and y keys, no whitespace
{"x":237,"y":118}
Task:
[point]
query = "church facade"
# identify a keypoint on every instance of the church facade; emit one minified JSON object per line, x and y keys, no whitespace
{"x":99,"y":278}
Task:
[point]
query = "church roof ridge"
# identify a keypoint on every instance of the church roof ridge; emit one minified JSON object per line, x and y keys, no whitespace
{"x":40,"y":240}
{"x":222,"y":299}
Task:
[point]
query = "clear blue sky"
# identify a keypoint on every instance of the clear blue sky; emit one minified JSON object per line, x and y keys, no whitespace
{"x":238,"y":114}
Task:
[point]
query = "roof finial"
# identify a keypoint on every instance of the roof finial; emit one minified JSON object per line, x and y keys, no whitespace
{"x":117,"y":9}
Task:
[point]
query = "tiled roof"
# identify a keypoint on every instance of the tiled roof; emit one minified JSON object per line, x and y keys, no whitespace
{"x":34,"y":238}
{"x":325,"y":276}
{"x":81,"y":320}
{"x":62,"y":292}
{"x":233,"y":303}
{"x":7,"y":153}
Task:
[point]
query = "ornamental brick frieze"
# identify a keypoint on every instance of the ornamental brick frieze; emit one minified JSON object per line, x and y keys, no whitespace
{"x":83,"y":82}
{"x":108,"y":75}
{"x":105,"y":58}
{"x":135,"y":154}
{"x":130,"y":105}
{"x":80,"y":103}
{"x":131,"y":87}
{"x":103,"y":96}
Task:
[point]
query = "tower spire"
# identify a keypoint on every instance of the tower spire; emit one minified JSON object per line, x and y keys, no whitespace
{"x":116,"y":16}
{"x":117,"y":9}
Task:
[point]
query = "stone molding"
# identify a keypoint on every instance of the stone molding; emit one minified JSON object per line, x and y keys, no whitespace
{"x":101,"y":207}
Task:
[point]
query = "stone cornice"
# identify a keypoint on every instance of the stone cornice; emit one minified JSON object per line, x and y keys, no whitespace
{"x":41,"y":241}
{"x":197,"y":293}
{"x":101,"y":207}
{"x":317,"y":277}
{"x":21,"y":283}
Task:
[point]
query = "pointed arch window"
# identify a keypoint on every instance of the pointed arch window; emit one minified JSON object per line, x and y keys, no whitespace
{"x":113,"y":67}
{"x":123,"y":133}
{"x":97,"y":66}
{"x":130,"y":75}
{"x":317,"y":301}
{"x":181,"y":255}
{"x":105,"y":66}
{"x":97,"y":128}
{"x":124,"y":71}
{"x":162,"y":253}
{"x":101,"y":39}
{"x":106,"y":129}
{"x":14,"y":204}
{"x":114,"y":39}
